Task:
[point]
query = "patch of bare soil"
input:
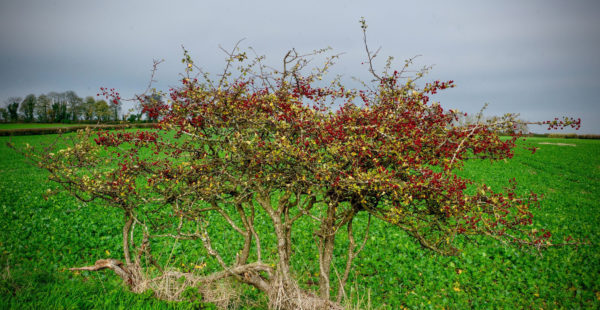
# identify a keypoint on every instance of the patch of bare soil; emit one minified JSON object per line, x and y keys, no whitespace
{"x":559,"y":144}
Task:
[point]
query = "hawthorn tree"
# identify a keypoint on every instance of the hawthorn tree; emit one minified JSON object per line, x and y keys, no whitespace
{"x":256,"y":154}
{"x":151,"y":106}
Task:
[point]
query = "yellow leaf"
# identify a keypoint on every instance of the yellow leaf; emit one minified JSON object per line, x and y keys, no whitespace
{"x":107,"y":252}
{"x":456,"y":287}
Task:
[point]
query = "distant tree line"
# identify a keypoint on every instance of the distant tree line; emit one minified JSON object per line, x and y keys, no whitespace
{"x":55,"y":107}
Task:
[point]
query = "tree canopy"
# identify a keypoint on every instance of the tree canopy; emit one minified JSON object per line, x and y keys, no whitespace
{"x":266,"y":143}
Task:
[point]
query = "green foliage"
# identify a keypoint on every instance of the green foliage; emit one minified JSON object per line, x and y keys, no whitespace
{"x":88,"y":108}
{"x":563,"y":135}
{"x":10,"y":126}
{"x":16,"y":129}
{"x":102,"y":111}
{"x":13,"y":108}
{"x":59,"y":107}
{"x":41,"y":239}
{"x":28,"y":107}
{"x":4,"y":116}
{"x":42,"y":108}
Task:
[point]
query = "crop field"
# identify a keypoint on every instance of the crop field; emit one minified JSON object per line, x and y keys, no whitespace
{"x":42,"y":237}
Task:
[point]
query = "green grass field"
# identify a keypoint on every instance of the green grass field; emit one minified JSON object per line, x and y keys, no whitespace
{"x":34,"y":125}
{"x":40,"y":239}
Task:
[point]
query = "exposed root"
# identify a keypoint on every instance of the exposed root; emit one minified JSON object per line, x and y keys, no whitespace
{"x":171,"y":285}
{"x":115,"y":265}
{"x":223,"y":293}
{"x":289,"y":296}
{"x":217,"y":288}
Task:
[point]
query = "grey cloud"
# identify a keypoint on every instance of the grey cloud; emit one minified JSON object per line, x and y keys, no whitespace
{"x":535,"y":57}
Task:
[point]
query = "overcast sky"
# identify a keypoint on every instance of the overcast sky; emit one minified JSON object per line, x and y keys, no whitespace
{"x":538,"y":58}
